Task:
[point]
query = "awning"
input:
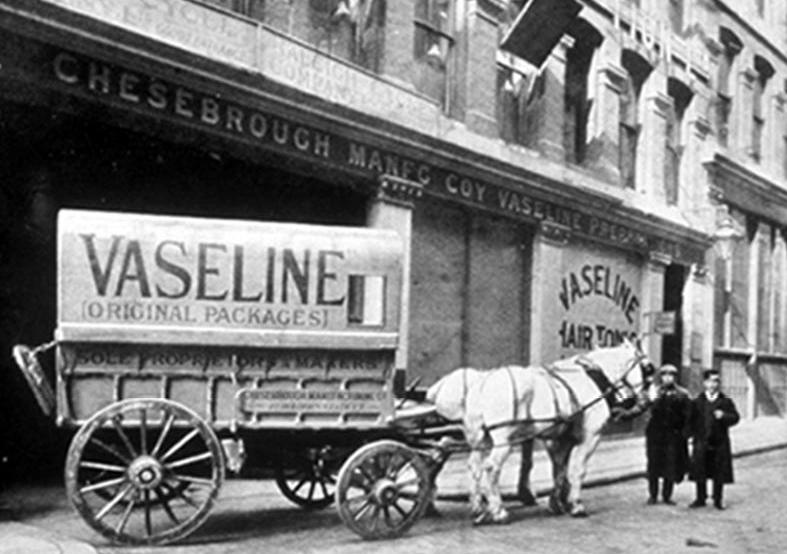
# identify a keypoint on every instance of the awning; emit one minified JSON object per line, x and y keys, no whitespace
{"x":538,"y":28}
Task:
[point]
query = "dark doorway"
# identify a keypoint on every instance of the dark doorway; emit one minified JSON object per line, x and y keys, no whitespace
{"x":672,"y":345}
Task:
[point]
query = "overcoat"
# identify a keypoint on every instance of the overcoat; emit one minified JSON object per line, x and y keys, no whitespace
{"x":666,"y":434}
{"x":711,"y":453}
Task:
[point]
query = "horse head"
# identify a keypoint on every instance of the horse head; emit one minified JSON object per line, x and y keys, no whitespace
{"x":628,"y":370}
{"x":449,"y":394}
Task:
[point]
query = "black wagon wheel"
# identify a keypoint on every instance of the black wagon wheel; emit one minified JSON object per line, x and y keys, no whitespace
{"x":383,"y":489}
{"x":309,"y":478}
{"x":144,"y":471}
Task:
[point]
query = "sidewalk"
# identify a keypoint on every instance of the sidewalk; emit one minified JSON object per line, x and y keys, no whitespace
{"x":614,"y":460}
{"x":18,"y":538}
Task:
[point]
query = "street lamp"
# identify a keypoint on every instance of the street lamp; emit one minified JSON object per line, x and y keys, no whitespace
{"x":725,"y":236}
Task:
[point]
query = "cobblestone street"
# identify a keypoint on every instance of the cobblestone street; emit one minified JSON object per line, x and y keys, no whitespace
{"x":252,"y":517}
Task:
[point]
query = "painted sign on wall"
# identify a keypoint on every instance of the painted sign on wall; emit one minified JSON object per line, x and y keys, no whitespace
{"x":599,"y":297}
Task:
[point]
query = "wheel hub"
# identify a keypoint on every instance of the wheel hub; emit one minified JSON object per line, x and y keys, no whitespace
{"x":145,"y":472}
{"x":385,"y":492}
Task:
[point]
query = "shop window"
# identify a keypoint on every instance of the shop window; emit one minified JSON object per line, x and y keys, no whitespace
{"x":366,"y":300}
{"x":681,"y":97}
{"x":433,"y":47}
{"x":637,"y":69}
{"x":764,"y":72}
{"x":512,"y":97}
{"x":577,"y":97}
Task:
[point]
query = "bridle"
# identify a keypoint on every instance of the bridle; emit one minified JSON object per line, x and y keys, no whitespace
{"x":623,"y":383}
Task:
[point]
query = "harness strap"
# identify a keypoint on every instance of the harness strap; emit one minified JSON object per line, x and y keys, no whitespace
{"x":514,"y":393}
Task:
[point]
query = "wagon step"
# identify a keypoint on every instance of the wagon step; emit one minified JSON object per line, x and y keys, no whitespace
{"x":27,"y":360}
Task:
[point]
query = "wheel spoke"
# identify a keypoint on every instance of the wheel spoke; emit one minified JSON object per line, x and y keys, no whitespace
{"x":110,"y":449}
{"x":180,"y":444}
{"x":364,"y":506}
{"x":410,"y":482}
{"x":112,"y":503}
{"x":387,"y":516}
{"x":102,"y":485}
{"x":189,"y":460}
{"x":365,"y":497}
{"x":399,"y":509}
{"x":180,"y":493}
{"x":143,"y":430}
{"x":148,"y":526}
{"x":166,"y":506}
{"x":102,"y":467}
{"x":325,"y":492}
{"x":195,"y":480}
{"x":126,"y":514}
{"x":311,"y":490}
{"x":124,"y":437}
{"x":164,"y":432}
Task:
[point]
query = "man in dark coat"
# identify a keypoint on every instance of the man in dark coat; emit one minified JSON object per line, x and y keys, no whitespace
{"x":665,"y":436}
{"x":712,"y":414}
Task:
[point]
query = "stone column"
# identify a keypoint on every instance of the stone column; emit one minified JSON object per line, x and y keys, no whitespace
{"x":545,"y":312}
{"x":653,"y":301}
{"x":392,"y":208}
{"x":651,"y":146}
{"x":603,"y":134}
{"x":698,"y":322}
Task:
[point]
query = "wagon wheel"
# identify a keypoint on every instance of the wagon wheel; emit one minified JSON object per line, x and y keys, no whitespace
{"x":311,"y":480}
{"x":383,"y":489}
{"x":144,"y":471}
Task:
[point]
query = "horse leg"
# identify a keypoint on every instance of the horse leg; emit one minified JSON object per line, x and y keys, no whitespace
{"x":577,"y":470}
{"x":559,"y":453}
{"x":493,"y":464}
{"x":525,"y":494}
{"x":475,"y":465}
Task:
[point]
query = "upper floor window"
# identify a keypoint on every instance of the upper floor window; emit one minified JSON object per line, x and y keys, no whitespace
{"x":353,"y":30}
{"x":674,"y":145}
{"x":675,"y":15}
{"x":433,"y":48}
{"x":731,"y":47}
{"x":760,"y":7}
{"x":637,"y":69}
{"x":513,"y":86}
{"x":764,"y":71}
{"x":577,"y":94}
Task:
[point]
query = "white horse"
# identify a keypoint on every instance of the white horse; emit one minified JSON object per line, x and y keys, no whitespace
{"x":566,"y":405}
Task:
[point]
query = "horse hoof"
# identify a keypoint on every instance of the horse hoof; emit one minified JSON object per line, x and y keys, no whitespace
{"x":556,"y":507}
{"x":527,"y":498}
{"x":483,"y":518}
{"x":579,"y":511}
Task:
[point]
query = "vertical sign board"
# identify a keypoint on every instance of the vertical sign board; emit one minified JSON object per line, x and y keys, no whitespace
{"x":598,"y":297}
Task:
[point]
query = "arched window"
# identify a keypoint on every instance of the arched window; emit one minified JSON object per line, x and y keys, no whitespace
{"x":764,"y":72}
{"x":577,"y":102}
{"x":675,"y":15}
{"x":637,"y":70}
{"x":681,"y":97}
{"x":731,"y":47}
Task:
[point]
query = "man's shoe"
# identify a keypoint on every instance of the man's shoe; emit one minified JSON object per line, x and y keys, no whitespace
{"x":697,"y":504}
{"x":718,"y":505}
{"x":651,"y":501}
{"x":669,"y":502}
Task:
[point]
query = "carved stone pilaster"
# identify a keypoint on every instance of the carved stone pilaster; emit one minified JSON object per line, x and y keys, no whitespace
{"x":554,"y":233}
{"x":659,"y":260}
{"x":399,"y":191}
{"x":613,"y":76}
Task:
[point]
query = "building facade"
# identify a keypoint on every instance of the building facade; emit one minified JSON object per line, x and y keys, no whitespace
{"x":557,"y":170}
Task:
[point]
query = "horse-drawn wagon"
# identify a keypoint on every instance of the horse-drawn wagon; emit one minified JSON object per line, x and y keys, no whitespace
{"x":186,"y":347}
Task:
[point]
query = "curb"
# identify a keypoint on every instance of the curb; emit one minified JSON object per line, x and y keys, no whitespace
{"x":611,"y":480}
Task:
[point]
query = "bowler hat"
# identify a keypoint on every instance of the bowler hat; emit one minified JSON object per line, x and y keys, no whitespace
{"x":668,"y":368}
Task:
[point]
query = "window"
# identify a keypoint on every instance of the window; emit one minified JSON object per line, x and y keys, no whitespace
{"x":513,"y":87}
{"x":760,"y":7}
{"x":675,"y":15}
{"x":731,"y":45}
{"x":638,"y":70}
{"x":764,"y":72}
{"x":433,"y":47}
{"x":577,"y":98}
{"x":681,"y":97}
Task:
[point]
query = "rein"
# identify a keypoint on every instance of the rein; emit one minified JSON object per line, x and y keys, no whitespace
{"x":612,"y":388}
